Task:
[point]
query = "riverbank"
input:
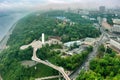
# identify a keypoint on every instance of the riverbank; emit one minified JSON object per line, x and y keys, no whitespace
{"x":4,"y":40}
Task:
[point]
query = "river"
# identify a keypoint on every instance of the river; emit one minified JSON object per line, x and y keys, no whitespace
{"x":7,"y":19}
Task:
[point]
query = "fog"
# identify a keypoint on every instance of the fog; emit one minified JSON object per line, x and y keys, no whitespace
{"x":7,"y":19}
{"x":46,"y":4}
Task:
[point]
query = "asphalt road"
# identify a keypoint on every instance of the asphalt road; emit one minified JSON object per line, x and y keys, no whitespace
{"x":103,"y":38}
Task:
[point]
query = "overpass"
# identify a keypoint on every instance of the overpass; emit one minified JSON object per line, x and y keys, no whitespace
{"x":60,"y":69}
{"x":36,"y":45}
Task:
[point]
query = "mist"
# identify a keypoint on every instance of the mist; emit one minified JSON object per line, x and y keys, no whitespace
{"x":56,"y":4}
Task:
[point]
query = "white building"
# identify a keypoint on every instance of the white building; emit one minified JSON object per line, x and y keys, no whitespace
{"x":116,"y":21}
{"x":92,"y":19}
{"x":71,"y":43}
{"x":116,"y":28}
{"x":115,"y":44}
{"x":53,"y":41}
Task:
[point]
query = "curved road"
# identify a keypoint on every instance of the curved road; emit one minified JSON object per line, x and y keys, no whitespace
{"x":60,"y":69}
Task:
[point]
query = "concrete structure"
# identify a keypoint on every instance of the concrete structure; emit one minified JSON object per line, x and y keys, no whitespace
{"x":104,"y":19}
{"x":92,"y":19}
{"x":85,"y":16}
{"x":99,"y":20}
{"x":115,"y":44}
{"x":39,"y":44}
{"x":102,"y":8}
{"x":83,"y":12}
{"x":115,"y":28}
{"x":116,"y":21}
{"x":53,"y":41}
{"x":28,"y":63}
{"x":35,"y":58}
{"x":43,"y":38}
{"x":89,"y":41}
{"x":71,"y":43}
{"x":63,"y":18}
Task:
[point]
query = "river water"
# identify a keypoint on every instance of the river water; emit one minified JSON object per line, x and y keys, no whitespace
{"x":7,"y":20}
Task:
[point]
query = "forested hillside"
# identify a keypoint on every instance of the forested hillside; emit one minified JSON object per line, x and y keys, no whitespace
{"x":30,"y":28}
{"x":106,"y":66}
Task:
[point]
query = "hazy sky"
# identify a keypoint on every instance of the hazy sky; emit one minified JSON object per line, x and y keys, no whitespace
{"x":11,"y":4}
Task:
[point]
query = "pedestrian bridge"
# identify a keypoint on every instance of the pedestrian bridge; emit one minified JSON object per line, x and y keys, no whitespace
{"x":49,"y":77}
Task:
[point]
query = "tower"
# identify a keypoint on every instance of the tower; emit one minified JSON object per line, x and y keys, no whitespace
{"x":43,"y":38}
{"x":102,"y":9}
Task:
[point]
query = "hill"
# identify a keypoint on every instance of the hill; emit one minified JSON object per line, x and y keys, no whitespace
{"x":68,"y":26}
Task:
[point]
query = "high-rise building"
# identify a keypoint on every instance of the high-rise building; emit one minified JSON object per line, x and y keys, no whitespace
{"x":102,"y":8}
{"x":43,"y":38}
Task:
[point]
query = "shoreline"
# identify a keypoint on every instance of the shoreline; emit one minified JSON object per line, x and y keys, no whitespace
{"x":4,"y":40}
{"x":6,"y":37}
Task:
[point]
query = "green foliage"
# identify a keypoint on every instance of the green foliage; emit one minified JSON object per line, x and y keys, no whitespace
{"x":73,"y":46}
{"x":89,"y":75}
{"x":105,"y":68}
{"x":109,"y":20}
{"x":101,"y":51}
{"x":101,"y":48}
{"x":71,"y":62}
{"x":30,"y":28}
{"x":90,"y":48}
{"x":46,"y":51}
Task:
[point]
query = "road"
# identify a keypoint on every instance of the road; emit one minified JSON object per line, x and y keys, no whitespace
{"x":3,"y":42}
{"x":84,"y":66}
{"x":60,"y":69}
{"x":103,"y":38}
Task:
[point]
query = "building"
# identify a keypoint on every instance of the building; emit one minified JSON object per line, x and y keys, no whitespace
{"x":99,"y":19}
{"x":85,"y":16}
{"x":55,"y":37}
{"x":115,"y":29}
{"x":39,"y":44}
{"x":116,"y":21}
{"x":115,"y":44}
{"x":89,"y":41}
{"x":71,"y":43}
{"x":53,"y":41}
{"x":102,"y":8}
